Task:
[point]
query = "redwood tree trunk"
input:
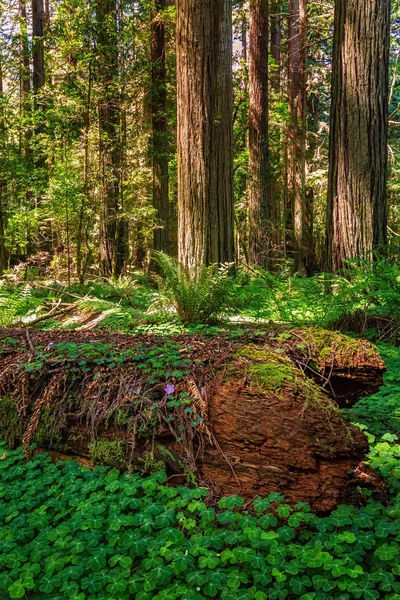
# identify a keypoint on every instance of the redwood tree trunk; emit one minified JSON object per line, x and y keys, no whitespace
{"x":296,"y":155}
{"x":259,"y":210}
{"x":160,"y":128}
{"x":38,"y":77}
{"x":205,"y":172}
{"x":109,"y":138}
{"x":357,"y":211}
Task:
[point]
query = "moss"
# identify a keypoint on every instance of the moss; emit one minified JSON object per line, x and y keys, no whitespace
{"x":11,"y":428}
{"x":148,"y":464}
{"x":269,"y":371}
{"x":110,"y":453}
{"x":325,"y":346}
{"x":48,"y":433}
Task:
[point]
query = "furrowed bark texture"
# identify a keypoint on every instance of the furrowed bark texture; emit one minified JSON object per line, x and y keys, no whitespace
{"x":357,"y":210}
{"x":296,"y":159}
{"x":259,"y":210}
{"x":109,"y":139}
{"x":204,"y":82}
{"x":160,"y":128}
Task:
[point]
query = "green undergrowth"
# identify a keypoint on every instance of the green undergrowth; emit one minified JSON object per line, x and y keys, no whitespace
{"x":379,"y":417}
{"x":364,"y":298}
{"x":68,"y":532}
{"x":71,"y":533}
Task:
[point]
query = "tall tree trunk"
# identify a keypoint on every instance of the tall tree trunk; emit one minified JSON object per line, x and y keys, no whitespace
{"x":38,"y":82}
{"x":38,"y":78}
{"x":259,"y":209}
{"x":205,"y":169}
{"x":3,"y":182}
{"x":276,"y":38}
{"x":109,"y":137}
{"x":25,"y":81}
{"x":296,"y":152}
{"x":160,"y":128}
{"x":357,"y":211}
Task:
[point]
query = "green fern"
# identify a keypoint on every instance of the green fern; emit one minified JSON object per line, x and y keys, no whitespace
{"x":204,"y":294}
{"x":16,"y":304}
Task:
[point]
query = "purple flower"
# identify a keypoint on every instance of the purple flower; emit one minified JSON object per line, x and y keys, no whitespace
{"x":169,"y":389}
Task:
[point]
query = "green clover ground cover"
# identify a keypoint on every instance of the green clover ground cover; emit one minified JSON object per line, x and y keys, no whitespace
{"x":71,"y":533}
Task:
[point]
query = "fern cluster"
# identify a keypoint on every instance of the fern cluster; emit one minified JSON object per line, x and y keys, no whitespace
{"x":16,"y":304}
{"x":203,"y":294}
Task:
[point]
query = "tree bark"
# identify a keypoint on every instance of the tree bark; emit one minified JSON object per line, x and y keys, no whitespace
{"x":259,"y":209}
{"x":25,"y":80}
{"x":160,"y":128}
{"x":3,"y":182}
{"x":205,"y":170}
{"x":276,"y":37}
{"x":109,"y":138}
{"x":357,"y":210}
{"x":38,"y":77}
{"x":296,"y":154}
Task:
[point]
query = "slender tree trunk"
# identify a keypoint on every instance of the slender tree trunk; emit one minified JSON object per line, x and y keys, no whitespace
{"x":25,"y":81}
{"x":205,"y":171}
{"x":160,"y":128}
{"x":259,"y":209}
{"x":357,"y":210}
{"x":276,"y":38}
{"x":3,"y":182}
{"x":109,"y":137}
{"x":38,"y":78}
{"x":85,"y":196}
{"x":296,"y":153}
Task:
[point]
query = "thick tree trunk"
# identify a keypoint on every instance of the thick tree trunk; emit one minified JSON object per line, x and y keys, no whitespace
{"x":296,"y":154}
{"x":259,"y":209}
{"x":160,"y":128}
{"x":357,"y":211}
{"x":204,"y":81}
{"x":109,"y":139}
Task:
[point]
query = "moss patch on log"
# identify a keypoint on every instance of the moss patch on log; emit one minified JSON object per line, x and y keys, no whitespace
{"x":268,"y":370}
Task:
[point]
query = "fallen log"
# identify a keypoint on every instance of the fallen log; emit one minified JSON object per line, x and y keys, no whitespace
{"x":242,"y":417}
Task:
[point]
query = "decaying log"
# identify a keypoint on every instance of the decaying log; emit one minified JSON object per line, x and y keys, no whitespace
{"x":264,"y":410}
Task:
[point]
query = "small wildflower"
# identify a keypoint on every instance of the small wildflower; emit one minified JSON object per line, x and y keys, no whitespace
{"x":169,"y":389}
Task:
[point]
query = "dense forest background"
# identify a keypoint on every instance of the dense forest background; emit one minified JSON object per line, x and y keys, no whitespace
{"x":114,"y":140}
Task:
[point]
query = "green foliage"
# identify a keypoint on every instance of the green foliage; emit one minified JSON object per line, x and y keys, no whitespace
{"x":17,"y":304}
{"x":148,"y":464}
{"x":360,"y":295}
{"x":10,"y":421}
{"x":68,"y":532}
{"x":201,"y":294}
{"x":379,"y":417}
{"x":111,"y":453}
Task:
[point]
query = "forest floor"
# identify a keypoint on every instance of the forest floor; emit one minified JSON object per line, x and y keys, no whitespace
{"x":72,"y":532}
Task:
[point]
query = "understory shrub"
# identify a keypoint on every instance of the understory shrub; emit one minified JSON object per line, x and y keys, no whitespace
{"x":200,"y":294}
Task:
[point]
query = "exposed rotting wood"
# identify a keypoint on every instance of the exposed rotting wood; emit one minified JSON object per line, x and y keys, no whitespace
{"x":267,"y":424}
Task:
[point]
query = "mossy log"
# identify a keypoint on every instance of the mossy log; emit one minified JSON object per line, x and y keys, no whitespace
{"x":247,"y":416}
